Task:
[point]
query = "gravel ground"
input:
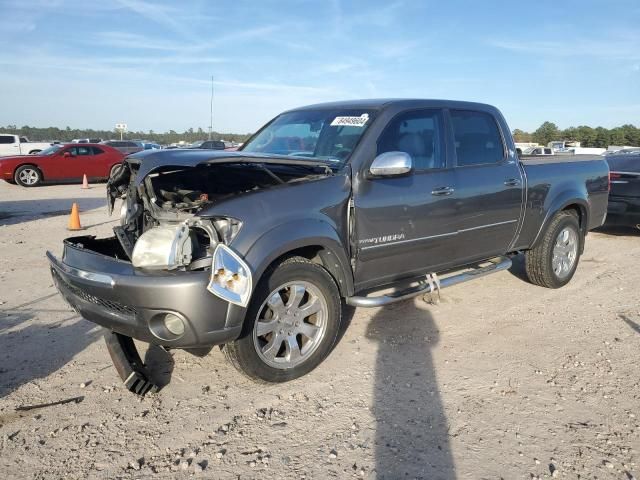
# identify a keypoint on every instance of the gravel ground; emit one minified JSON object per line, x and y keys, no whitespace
{"x":501,"y":379}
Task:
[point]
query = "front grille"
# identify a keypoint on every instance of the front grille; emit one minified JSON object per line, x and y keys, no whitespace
{"x":87,"y":297}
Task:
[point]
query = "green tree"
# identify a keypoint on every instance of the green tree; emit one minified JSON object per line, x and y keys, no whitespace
{"x":547,"y":132}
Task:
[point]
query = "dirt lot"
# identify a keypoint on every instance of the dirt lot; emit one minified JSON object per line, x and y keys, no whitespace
{"x":502,"y":379}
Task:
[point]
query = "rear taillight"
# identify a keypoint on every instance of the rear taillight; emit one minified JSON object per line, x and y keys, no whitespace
{"x":613,"y":176}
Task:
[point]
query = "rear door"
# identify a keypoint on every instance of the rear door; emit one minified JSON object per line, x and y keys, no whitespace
{"x":406,"y":225}
{"x":489,"y":185}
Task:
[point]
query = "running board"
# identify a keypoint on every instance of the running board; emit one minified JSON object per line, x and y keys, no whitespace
{"x":432,"y":283}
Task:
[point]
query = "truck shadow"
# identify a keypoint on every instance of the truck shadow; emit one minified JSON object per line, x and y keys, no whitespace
{"x":618,"y":230}
{"x":634,"y":326}
{"x":412,"y":438}
{"x":518,"y":269}
{"x":22,"y":211}
{"x":40,"y":349}
{"x":159,"y":364}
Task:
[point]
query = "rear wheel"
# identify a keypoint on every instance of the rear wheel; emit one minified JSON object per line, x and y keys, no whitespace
{"x":291,"y":324}
{"x":28,"y":176}
{"x":554,"y":260}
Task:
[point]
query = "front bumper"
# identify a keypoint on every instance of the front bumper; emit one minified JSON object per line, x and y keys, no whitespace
{"x":112,"y":293}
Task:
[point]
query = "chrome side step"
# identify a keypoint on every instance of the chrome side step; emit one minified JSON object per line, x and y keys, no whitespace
{"x":427,"y":286}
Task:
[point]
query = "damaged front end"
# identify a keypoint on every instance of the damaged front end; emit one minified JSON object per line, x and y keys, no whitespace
{"x":169,"y":276}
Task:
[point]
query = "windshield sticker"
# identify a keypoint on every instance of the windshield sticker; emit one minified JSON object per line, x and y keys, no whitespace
{"x":350,"y":121}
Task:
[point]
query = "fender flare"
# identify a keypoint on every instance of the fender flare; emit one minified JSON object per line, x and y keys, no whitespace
{"x":561,"y":202}
{"x":297,"y":234}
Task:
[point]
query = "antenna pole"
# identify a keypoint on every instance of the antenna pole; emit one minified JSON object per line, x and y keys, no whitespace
{"x":211,"y":111}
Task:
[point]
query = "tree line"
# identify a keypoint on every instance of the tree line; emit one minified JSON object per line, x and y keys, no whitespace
{"x":547,"y":132}
{"x":587,"y":136}
{"x":166,"y":138}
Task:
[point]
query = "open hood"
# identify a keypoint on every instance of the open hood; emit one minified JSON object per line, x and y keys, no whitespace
{"x":139,"y":166}
{"x":150,"y":160}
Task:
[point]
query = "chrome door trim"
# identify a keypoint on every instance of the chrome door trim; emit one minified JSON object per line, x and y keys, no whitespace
{"x":441,"y":235}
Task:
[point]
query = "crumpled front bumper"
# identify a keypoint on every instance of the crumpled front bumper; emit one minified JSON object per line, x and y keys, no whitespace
{"x":112,"y":293}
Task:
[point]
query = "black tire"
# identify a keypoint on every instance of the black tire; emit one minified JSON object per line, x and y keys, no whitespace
{"x":28,"y":176}
{"x":243,"y":352}
{"x":539,"y":261}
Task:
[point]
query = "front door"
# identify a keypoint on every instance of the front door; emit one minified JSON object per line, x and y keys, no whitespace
{"x":406,"y":225}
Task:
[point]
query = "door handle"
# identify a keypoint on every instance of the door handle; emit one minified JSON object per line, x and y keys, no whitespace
{"x":512,"y":182}
{"x":442,"y":191}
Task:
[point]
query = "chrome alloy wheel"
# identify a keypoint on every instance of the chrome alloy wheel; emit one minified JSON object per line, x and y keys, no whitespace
{"x":290,"y":325}
{"x":29,"y":176}
{"x":565,"y":252}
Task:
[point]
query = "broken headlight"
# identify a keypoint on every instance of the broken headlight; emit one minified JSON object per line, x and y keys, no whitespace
{"x":227,"y":228}
{"x":230,"y":277}
{"x":166,"y":247}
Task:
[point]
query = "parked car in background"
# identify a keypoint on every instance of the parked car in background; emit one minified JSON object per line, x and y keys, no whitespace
{"x":624,"y":195}
{"x":86,"y":140}
{"x":17,"y":145}
{"x":125,"y":146}
{"x":209,"y":145}
{"x":538,"y":151}
{"x":151,"y":146}
{"x":62,"y":162}
{"x":328,"y":204}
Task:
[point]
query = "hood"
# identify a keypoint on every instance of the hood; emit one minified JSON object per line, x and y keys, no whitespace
{"x":174,"y":166}
{"x":153,"y":160}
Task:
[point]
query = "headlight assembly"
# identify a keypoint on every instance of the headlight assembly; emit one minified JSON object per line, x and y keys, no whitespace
{"x":230,"y":277}
{"x":227,"y":228}
{"x":166,"y":247}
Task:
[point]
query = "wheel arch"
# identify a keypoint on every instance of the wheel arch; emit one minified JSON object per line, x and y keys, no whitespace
{"x":27,"y":164}
{"x":316,"y":241}
{"x":568,"y":202}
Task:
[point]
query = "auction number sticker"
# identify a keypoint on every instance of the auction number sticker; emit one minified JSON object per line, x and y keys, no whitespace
{"x":350,"y":121}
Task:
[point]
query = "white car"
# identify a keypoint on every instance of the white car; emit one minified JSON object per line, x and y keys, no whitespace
{"x":16,"y":145}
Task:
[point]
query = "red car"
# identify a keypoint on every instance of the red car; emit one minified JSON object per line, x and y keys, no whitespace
{"x":61,"y":162}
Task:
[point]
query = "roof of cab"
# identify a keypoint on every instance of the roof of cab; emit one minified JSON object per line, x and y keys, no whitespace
{"x":381,"y":103}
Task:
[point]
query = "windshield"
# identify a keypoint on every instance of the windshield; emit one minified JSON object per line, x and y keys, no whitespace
{"x":325,"y":135}
{"x":51,"y":150}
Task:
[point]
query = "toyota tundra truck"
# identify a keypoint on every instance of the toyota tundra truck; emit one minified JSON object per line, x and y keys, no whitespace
{"x":363,"y":203}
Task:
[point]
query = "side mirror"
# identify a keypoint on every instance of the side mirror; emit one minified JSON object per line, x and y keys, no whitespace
{"x":391,"y":164}
{"x":66,"y":154}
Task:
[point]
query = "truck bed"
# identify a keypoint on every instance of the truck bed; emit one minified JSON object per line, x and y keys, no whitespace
{"x":553,"y":177}
{"x":543,"y":159}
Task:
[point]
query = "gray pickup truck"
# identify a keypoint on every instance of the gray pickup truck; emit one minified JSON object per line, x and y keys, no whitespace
{"x":361,"y":202}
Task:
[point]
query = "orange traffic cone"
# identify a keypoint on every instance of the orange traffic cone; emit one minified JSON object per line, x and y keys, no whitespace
{"x":74,"y":219}
{"x":85,"y":183}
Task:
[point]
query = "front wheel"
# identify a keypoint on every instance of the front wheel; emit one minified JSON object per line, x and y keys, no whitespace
{"x":28,"y":176}
{"x":554,"y":260}
{"x":291,"y":324}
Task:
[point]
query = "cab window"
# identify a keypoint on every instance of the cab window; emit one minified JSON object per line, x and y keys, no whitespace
{"x":417,"y":133}
{"x":477,"y":138}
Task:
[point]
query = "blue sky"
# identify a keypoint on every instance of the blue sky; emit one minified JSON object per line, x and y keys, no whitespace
{"x":92,"y":64}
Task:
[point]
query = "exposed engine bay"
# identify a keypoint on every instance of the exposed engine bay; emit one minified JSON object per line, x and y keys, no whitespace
{"x":160,"y":223}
